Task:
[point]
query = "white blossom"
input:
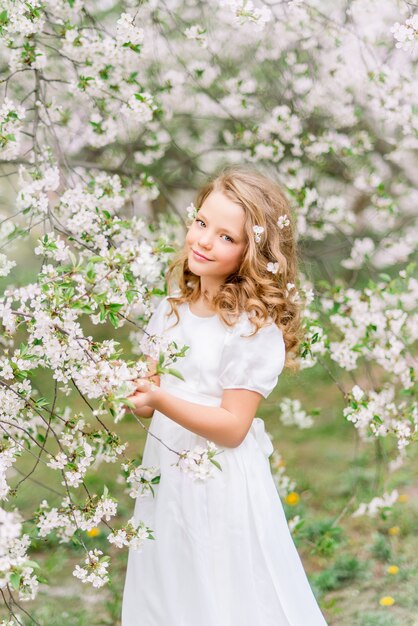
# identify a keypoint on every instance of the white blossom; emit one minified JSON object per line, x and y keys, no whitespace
{"x":273,"y":267}
{"x":283,"y":221}
{"x":406,"y":35}
{"x":376,"y":504}
{"x":191,"y":211}
{"x":258,"y":230}
{"x":11,"y":125}
{"x":133,"y":535}
{"x":197,"y":33}
{"x":291,"y":413}
{"x":95,"y":570}
{"x":197,"y":463}
{"x":5,"y":265}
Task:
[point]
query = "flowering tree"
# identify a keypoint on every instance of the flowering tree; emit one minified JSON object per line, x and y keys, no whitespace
{"x":111,"y":111}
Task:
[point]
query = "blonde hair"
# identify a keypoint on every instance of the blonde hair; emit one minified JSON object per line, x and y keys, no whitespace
{"x":252,"y":288}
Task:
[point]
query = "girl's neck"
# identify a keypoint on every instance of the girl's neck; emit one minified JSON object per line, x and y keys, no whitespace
{"x":203,"y":305}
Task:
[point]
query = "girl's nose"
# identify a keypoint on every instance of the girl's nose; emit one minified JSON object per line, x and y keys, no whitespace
{"x":205,"y":240}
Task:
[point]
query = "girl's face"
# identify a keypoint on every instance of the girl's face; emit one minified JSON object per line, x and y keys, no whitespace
{"x":217,"y":233}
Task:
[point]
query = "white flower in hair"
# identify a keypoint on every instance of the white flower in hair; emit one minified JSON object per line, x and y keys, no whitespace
{"x":191,"y":211}
{"x":273,"y":267}
{"x":283,"y":221}
{"x":295,"y":295}
{"x":258,"y":230}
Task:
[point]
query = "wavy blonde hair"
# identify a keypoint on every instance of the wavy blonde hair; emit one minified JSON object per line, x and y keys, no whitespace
{"x":252,"y":288}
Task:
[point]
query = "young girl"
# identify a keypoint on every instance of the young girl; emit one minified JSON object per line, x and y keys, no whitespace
{"x":223,"y":554}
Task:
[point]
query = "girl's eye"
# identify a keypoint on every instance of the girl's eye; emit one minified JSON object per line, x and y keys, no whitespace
{"x":228,"y":237}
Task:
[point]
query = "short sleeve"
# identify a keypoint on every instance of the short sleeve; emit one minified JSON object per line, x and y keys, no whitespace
{"x":155,"y":327}
{"x":255,"y":362}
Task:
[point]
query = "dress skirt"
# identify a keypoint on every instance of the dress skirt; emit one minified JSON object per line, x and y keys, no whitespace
{"x":223,"y":554}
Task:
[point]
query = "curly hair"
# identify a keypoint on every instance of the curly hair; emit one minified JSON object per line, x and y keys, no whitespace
{"x":252,"y":288}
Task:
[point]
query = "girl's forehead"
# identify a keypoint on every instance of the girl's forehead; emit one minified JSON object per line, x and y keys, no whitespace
{"x":217,"y":204}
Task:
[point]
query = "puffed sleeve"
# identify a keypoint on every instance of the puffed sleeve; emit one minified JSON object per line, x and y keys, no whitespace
{"x":253,"y":363}
{"x":155,"y":328}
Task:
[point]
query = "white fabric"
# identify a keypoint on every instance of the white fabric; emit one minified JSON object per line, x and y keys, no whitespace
{"x":223,"y":554}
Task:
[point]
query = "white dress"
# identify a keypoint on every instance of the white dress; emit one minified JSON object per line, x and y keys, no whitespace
{"x":223,"y":554}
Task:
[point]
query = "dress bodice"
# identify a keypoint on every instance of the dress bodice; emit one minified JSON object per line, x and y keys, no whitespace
{"x":218,"y":356}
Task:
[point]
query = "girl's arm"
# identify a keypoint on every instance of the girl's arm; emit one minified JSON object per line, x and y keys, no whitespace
{"x":226,"y":425}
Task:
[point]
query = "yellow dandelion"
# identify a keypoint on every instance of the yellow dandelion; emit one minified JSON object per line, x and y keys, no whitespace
{"x":386,"y":601}
{"x":93,"y":532}
{"x":280,"y":463}
{"x":403,"y":497}
{"x":392,"y":569}
{"x":394,"y":530}
{"x":292,"y":498}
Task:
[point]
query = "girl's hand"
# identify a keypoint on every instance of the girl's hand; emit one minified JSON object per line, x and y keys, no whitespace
{"x":143,"y":393}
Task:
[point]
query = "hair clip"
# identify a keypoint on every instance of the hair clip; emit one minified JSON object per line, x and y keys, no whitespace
{"x":257,"y":231}
{"x":283,"y":221}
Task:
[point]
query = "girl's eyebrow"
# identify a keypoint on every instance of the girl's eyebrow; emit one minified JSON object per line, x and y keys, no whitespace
{"x":225,"y":230}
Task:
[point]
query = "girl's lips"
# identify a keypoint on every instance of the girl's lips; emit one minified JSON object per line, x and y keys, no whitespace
{"x":200,"y":257}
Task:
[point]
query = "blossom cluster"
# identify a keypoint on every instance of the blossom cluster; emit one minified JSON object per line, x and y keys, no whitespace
{"x":245,"y":12}
{"x":11,"y":125}
{"x":283,"y":482}
{"x":291,"y":413}
{"x":406,"y":35}
{"x":377,"y":414}
{"x":141,"y":479}
{"x":16,"y":568}
{"x":378,"y":505}
{"x":68,"y":518}
{"x":199,"y":463}
{"x":95,"y":569}
{"x":132,"y":535}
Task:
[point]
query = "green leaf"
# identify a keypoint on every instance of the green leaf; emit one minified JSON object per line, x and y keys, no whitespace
{"x":114,"y":307}
{"x":216,"y":464}
{"x":128,"y":403}
{"x":41,"y":402}
{"x":384,"y":276}
{"x":175,"y":372}
{"x":114,"y":320}
{"x":15,"y":580}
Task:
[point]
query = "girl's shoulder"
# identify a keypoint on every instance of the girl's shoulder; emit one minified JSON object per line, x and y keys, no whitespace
{"x":245,"y":325}
{"x":252,"y":360}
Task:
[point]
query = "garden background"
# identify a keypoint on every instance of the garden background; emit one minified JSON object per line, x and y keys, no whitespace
{"x":111,"y":116}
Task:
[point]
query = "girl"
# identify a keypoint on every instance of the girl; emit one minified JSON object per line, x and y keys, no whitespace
{"x":223,"y":554}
